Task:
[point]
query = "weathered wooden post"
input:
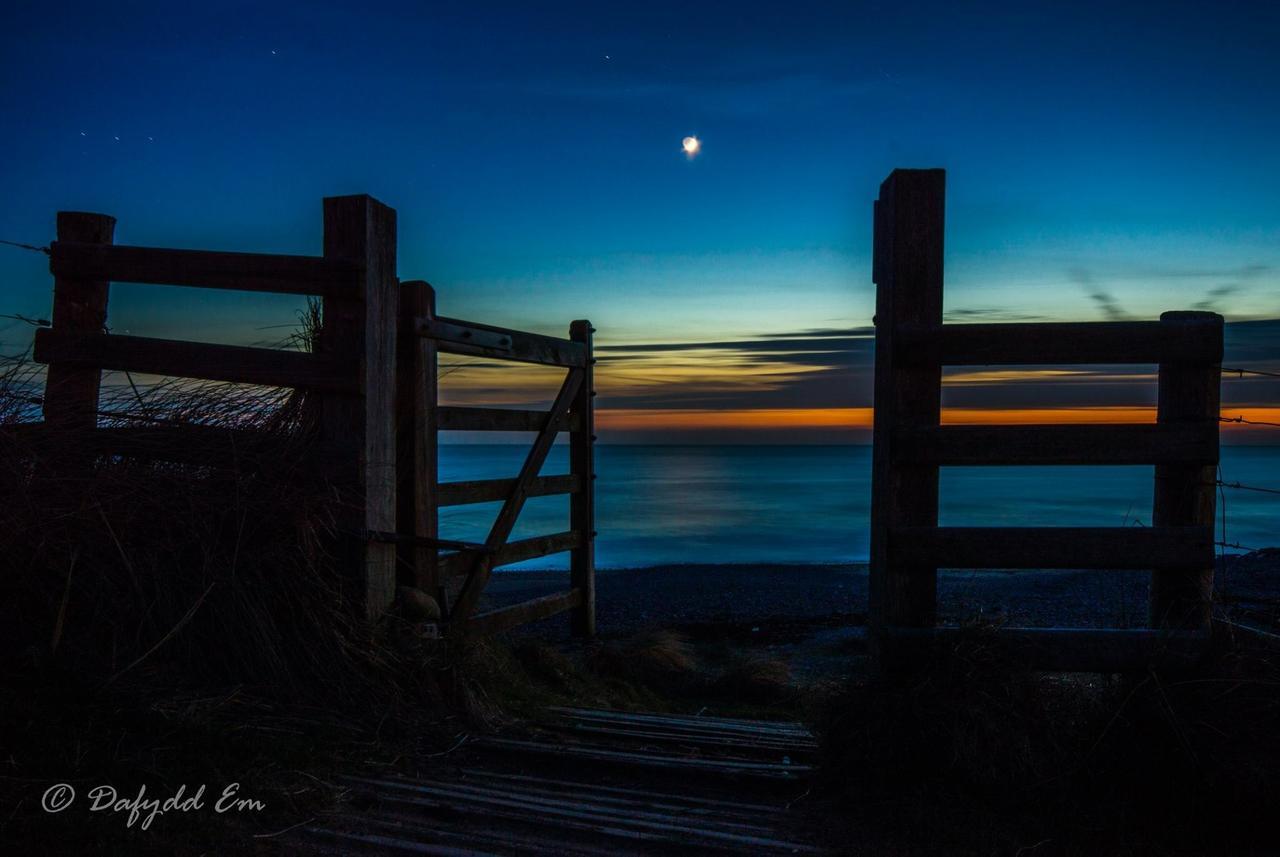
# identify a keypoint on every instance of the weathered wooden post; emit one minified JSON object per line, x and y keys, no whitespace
{"x":582,"y":560}
{"x":79,"y":306}
{"x":360,"y":330}
{"x":1185,"y":494}
{"x":416,"y":398}
{"x":907,"y":269}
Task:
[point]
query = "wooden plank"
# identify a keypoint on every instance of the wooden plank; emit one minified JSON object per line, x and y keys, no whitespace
{"x":1054,"y":547}
{"x":479,"y":340}
{"x":250,"y":272}
{"x":907,"y":266}
{"x":691,"y":765}
{"x":490,"y":490}
{"x":633,"y":829}
{"x":510,"y":553}
{"x":454,"y":418}
{"x":359,"y":330}
{"x":1186,"y":493}
{"x":981,"y":445}
{"x":232,"y":363}
{"x":1067,"y":649}
{"x":417,"y":462}
{"x":1045,"y":343}
{"x":72,"y":390}
{"x":696,"y":803}
{"x":719,"y":725}
{"x":582,"y":512}
{"x":506,"y":618}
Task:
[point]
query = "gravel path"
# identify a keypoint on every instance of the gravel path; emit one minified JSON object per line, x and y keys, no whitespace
{"x":628,"y":600}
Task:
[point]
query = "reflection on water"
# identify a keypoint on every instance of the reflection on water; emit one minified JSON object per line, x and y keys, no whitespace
{"x":740,"y":504}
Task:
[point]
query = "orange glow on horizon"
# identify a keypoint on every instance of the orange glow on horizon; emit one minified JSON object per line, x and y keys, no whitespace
{"x":861,"y":418}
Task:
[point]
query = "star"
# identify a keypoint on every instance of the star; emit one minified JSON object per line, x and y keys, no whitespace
{"x":692,"y":146}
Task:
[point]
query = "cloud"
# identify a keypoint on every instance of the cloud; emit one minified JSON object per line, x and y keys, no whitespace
{"x":833,"y":368}
{"x":1215,"y":295}
{"x":1106,"y":301}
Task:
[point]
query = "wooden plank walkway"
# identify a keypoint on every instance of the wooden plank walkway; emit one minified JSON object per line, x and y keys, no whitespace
{"x":593,"y":782}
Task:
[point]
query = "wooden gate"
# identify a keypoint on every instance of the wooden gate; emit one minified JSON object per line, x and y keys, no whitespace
{"x":423,"y":335}
{"x":351,"y":376}
{"x":907,"y":545}
{"x":373,"y":378}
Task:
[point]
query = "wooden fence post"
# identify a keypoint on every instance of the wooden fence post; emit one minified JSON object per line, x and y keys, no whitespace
{"x":79,"y":306}
{"x":907,"y":269}
{"x":417,"y":461}
{"x":360,"y":330}
{"x":1185,"y":494}
{"x":582,"y":560}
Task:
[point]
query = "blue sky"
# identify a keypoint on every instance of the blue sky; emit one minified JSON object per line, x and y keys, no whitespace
{"x":1103,"y":159}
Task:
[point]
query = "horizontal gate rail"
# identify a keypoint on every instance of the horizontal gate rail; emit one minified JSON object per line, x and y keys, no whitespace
{"x":1105,"y":650}
{"x":247,"y":272}
{"x":453,"y":418}
{"x":1058,"y":343}
{"x":980,"y":445}
{"x":466,"y":337}
{"x":506,"y":618}
{"x":490,"y":490}
{"x":1052,"y":547}
{"x":458,"y":564}
{"x":237,"y":364}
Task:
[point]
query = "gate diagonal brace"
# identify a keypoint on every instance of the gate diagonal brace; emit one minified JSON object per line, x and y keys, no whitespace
{"x":478,"y":577}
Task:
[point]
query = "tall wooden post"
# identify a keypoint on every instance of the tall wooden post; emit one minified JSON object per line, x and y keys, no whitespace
{"x":1185,"y":494}
{"x":582,"y":560}
{"x":361,"y":329}
{"x":418,"y":464}
{"x":79,"y":306}
{"x":907,"y":269}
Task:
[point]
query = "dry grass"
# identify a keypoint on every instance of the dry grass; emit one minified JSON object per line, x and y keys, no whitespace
{"x":657,"y":658}
{"x":756,"y":679}
{"x":175,"y":622}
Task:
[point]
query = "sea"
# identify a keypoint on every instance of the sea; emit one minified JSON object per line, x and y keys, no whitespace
{"x":662,"y":505}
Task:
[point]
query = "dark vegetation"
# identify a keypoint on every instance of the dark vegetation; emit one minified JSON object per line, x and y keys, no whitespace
{"x":978,"y":755}
{"x":175,"y":624}
{"x":168,"y":624}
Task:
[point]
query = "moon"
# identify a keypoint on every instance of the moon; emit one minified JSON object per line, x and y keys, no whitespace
{"x":691,"y":145}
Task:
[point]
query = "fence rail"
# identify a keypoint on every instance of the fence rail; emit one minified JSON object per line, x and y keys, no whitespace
{"x":965,"y":445}
{"x":246,"y":272}
{"x":373,"y":375}
{"x":1067,"y":343}
{"x":237,"y":364}
{"x":907,"y":545}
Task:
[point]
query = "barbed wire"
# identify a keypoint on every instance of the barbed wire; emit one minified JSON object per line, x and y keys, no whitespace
{"x":45,"y":250}
{"x":1237,"y":546}
{"x":34,"y":322}
{"x":1242,"y":372}
{"x":1242,"y":487}
{"x":1247,"y":422}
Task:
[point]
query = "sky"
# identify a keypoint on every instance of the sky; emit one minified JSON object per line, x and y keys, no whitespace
{"x":1104,"y":161}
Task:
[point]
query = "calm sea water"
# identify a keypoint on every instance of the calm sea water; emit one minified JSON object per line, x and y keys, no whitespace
{"x":742,"y":504}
